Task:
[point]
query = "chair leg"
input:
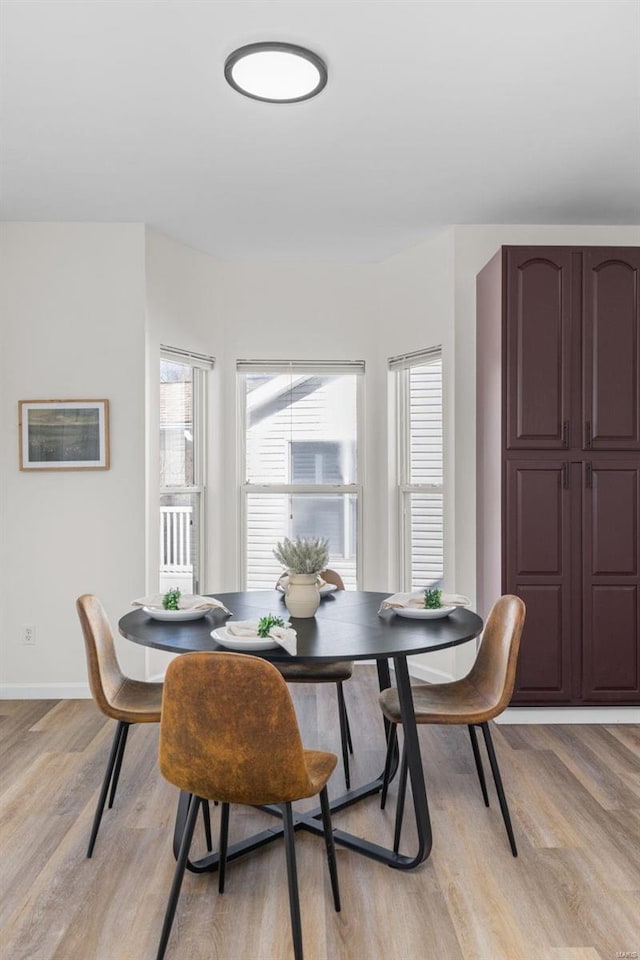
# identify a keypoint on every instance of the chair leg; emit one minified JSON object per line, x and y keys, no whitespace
{"x":331,"y":849}
{"x":479,"y":767}
{"x":178,"y":875}
{"x":402,"y":792}
{"x":386,"y":776}
{"x":342,"y":715}
{"x":346,"y":722}
{"x":206,"y":817}
{"x":119,"y":759}
{"x":499,"y":788}
{"x":292,"y":879}
{"x":115,"y":746}
{"x":222,"y":847}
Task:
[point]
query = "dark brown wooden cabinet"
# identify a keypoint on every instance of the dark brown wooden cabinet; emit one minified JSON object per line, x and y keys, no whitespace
{"x":538,"y":343}
{"x":538,"y":561}
{"x":611,"y":350}
{"x":611,"y":580}
{"x":558,"y":465}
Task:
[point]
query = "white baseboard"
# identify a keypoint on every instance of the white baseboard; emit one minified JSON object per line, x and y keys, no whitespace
{"x":513,"y":715}
{"x":570,"y":715}
{"x":420,"y":672}
{"x":45,"y":691}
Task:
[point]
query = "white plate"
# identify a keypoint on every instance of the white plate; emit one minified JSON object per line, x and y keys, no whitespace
{"x":422,"y":613}
{"x":225,"y":639}
{"x":327,"y":588}
{"x":323,"y":590}
{"x":157,"y":614}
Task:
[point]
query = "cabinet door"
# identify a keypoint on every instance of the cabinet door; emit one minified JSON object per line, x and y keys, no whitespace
{"x":611,"y":619}
{"x":538,"y":569}
{"x":611,"y":349}
{"x":538,"y":337}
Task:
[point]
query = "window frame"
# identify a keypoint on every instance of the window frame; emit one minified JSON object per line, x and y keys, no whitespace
{"x":401,"y":368}
{"x":245,"y":488}
{"x":200,"y":365}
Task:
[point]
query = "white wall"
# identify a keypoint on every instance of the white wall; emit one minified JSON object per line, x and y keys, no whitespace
{"x":415,"y":295}
{"x":301,"y":311}
{"x":73,"y":314}
{"x":84,"y":310}
{"x":304,"y":312}
{"x":182,"y":311}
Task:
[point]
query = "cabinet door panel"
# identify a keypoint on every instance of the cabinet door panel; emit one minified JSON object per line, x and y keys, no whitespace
{"x":611,"y":373}
{"x":538,"y":332}
{"x":538,"y":569}
{"x":611,"y":636}
{"x":542,"y":666}
{"x":613,"y":520}
{"x":538,"y":521}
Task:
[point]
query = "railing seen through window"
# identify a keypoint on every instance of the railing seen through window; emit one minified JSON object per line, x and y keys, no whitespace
{"x":182,"y":469}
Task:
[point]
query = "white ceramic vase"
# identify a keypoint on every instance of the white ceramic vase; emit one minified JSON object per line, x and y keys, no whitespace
{"x":302,"y":596}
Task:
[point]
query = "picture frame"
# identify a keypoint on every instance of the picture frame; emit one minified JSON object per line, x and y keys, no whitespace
{"x":63,"y":434}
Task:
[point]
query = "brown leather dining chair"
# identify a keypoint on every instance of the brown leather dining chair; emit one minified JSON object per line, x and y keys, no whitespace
{"x":118,"y":697}
{"x":240,"y":746}
{"x":327,"y":673}
{"x":475,"y":700}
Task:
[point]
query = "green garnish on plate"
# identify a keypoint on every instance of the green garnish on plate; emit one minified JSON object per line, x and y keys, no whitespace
{"x":171,"y":599}
{"x":266,"y":624}
{"x":433,"y":599}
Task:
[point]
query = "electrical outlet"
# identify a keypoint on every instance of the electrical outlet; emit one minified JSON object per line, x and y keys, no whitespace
{"x":29,"y":636}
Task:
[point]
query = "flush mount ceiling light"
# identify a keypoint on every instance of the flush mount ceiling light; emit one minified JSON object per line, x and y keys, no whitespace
{"x":276,"y":72}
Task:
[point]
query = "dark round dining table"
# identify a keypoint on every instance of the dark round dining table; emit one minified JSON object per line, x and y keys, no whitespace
{"x":348,"y":625}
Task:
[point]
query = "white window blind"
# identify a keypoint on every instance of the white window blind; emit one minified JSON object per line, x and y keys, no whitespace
{"x":319,"y":368}
{"x":420,"y":466}
{"x":176,"y":355}
{"x":406,"y":360}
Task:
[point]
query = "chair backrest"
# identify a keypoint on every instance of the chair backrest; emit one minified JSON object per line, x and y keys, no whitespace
{"x":330,"y":576}
{"x":229,"y":731}
{"x":494,"y":671}
{"x":105,"y":676}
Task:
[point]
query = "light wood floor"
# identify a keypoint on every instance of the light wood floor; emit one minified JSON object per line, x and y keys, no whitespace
{"x":573,"y":893}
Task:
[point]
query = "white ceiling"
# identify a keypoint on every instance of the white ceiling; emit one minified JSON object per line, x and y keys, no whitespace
{"x":435,"y":113}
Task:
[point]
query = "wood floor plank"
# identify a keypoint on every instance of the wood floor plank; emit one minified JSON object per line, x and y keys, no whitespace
{"x":628,"y":734}
{"x":571,"y":953}
{"x":614,"y":784}
{"x":572,"y":894}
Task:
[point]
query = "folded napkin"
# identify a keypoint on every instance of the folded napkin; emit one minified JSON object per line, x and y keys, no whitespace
{"x":188,"y":601}
{"x":416,"y":601}
{"x":248,"y":630}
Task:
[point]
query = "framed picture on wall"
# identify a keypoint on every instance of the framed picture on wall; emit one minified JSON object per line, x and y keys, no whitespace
{"x":64,"y":434}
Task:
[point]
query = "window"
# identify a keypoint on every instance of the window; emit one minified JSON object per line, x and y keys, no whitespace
{"x":420,"y":467}
{"x":300,"y":463}
{"x":182,"y":461}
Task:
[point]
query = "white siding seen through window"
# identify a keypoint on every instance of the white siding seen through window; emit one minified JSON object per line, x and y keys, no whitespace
{"x":300,"y":460}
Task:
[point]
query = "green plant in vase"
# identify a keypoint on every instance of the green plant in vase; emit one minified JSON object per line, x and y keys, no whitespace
{"x":304,"y":555}
{"x":304,"y":558}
